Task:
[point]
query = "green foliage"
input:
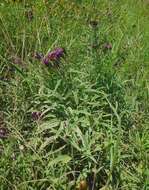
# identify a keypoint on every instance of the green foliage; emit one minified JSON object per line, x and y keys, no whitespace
{"x":93,"y":109}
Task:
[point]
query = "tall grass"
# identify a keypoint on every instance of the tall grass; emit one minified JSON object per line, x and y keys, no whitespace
{"x":82,"y":125}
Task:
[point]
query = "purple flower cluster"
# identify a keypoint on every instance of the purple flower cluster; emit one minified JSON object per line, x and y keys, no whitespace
{"x":54,"y":56}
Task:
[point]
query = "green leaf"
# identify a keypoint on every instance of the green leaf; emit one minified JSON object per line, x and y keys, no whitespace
{"x":48,"y":125}
{"x":64,"y":159}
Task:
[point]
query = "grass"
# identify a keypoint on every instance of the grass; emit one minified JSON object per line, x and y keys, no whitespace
{"x":83,"y":125}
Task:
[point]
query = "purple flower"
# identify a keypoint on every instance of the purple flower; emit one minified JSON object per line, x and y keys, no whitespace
{"x":36,"y":115}
{"x":54,"y":55}
{"x":59,"y":52}
{"x":46,"y":60}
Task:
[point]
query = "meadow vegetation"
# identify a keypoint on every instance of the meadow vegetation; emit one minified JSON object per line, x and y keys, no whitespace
{"x":74,"y":95}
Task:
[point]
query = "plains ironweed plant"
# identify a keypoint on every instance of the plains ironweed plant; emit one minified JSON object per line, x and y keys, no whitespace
{"x":74,"y":119}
